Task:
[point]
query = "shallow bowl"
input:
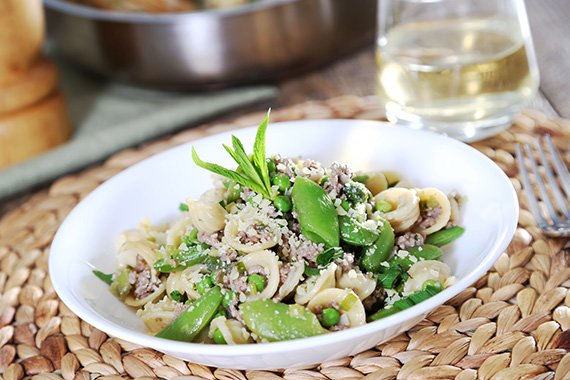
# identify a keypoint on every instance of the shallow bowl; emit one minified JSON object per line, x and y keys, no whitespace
{"x":154,"y":187}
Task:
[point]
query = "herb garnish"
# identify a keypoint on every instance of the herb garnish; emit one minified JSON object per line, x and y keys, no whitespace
{"x":254,"y":172}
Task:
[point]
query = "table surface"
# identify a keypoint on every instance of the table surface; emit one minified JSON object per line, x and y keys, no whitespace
{"x":353,"y":75}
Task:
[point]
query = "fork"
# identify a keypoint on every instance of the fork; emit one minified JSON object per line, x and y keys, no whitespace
{"x":554,"y":222}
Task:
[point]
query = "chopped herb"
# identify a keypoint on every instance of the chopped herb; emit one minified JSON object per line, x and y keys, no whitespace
{"x":253,"y":173}
{"x":183,"y":207}
{"x":309,"y":271}
{"x":360,"y":178}
{"x":329,"y":255}
{"x":106,"y":278}
{"x":177,"y":296}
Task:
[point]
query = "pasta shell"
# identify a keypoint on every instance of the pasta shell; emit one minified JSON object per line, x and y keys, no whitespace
{"x":185,"y":280}
{"x":129,"y":250}
{"x":231,"y":238}
{"x":293,"y":278}
{"x":407,"y":209}
{"x":178,"y":229}
{"x":270,"y":264}
{"x":354,"y":279}
{"x":376,"y":182}
{"x":132,"y":301}
{"x":423,"y":271}
{"x":314,"y":284}
{"x":353,"y":315}
{"x":231,"y":329}
{"x":156,"y":316}
{"x":207,"y":217}
{"x":441,"y":218}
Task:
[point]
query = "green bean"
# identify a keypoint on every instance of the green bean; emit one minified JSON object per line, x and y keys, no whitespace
{"x":372,"y":257}
{"x":316,"y":212}
{"x":277,"y":321}
{"x":197,"y":316}
{"x":446,"y":236}
{"x":354,"y":233}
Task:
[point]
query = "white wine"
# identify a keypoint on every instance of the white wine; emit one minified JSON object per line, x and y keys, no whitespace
{"x":454,"y":71}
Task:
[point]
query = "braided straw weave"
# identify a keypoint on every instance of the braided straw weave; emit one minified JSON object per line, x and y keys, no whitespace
{"x":511,"y":324}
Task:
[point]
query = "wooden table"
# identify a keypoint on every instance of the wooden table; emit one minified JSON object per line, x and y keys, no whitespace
{"x":354,"y":75}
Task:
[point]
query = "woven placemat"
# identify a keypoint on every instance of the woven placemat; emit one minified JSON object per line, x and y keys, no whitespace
{"x":511,"y":324}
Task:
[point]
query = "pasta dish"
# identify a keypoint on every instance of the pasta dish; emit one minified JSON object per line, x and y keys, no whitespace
{"x":160,"y":6}
{"x":284,"y":248}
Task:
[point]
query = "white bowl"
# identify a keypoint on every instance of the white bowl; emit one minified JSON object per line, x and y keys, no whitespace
{"x":154,"y":188}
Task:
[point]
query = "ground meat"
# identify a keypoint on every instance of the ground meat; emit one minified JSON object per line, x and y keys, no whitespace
{"x":256,"y":269}
{"x":346,"y":263}
{"x":254,"y":234}
{"x":338,"y":327}
{"x":428,"y":217}
{"x":236,"y":283}
{"x":410,"y":239}
{"x":285,"y":165}
{"x":227,"y":254}
{"x":284,"y":272}
{"x":340,"y":175}
{"x":142,"y":280}
{"x":212,"y":240}
{"x":299,"y":247}
{"x":235,"y":312}
{"x":179,"y":307}
{"x":375,"y":300}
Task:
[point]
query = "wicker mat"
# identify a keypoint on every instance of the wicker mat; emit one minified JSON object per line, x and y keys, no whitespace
{"x":511,"y":324}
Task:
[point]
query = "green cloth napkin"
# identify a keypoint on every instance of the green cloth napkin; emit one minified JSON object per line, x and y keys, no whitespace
{"x":109,"y":117}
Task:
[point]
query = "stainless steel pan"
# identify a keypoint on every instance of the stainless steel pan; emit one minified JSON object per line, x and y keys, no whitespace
{"x":252,"y":43}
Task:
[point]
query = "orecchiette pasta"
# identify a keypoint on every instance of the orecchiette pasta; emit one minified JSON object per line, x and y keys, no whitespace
{"x":376,"y":182}
{"x":351,"y":310}
{"x":231,"y":238}
{"x":354,"y":279}
{"x":406,"y":209}
{"x":178,"y":229}
{"x":307,"y":290}
{"x":156,"y":316}
{"x":268,"y":262}
{"x":293,"y":278}
{"x":185,"y":280}
{"x":129,"y":250}
{"x":208,"y":217}
{"x":438,"y":210}
{"x":232,"y":330}
{"x":423,"y":271}
{"x":138,"y":302}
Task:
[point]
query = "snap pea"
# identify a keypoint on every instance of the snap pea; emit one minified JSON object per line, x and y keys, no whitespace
{"x":406,"y":302}
{"x":354,"y":233}
{"x":372,"y":257}
{"x":316,"y":212}
{"x":446,"y":236}
{"x":277,"y":321}
{"x":187,"y":326}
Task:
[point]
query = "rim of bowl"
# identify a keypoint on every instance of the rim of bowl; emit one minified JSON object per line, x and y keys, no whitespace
{"x":213,"y":350}
{"x":88,"y":12}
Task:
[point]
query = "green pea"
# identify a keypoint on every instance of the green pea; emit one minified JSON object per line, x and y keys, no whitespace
{"x":283,"y":203}
{"x":204,"y":284}
{"x":330,"y":317}
{"x":121,"y":287}
{"x":276,"y":321}
{"x":354,"y":233}
{"x":218,"y":337}
{"x":316,"y":212}
{"x":372,"y":257}
{"x":192,"y":320}
{"x":383,"y":206}
{"x":282,"y":181}
{"x":446,"y":236}
{"x":257,"y":280}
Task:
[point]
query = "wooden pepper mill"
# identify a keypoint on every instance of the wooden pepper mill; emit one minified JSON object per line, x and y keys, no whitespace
{"x":33,"y":116}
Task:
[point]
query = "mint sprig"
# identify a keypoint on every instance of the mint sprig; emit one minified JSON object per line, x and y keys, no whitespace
{"x":255,"y":173}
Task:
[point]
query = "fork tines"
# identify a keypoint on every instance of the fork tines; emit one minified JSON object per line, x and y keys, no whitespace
{"x":552,"y":217}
